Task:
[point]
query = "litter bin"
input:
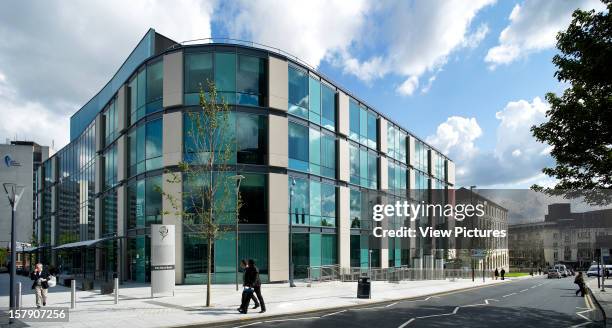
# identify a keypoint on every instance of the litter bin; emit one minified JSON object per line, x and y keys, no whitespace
{"x":363,"y":288}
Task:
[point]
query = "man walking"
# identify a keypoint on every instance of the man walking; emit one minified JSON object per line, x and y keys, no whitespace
{"x":580,"y":282}
{"x":257,"y":288}
{"x":503,"y":273}
{"x":40,"y":284}
{"x":250,"y":278}
{"x":496,"y":273}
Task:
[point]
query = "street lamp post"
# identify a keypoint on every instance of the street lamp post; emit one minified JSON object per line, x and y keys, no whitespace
{"x":14,"y":193}
{"x":238,"y":178}
{"x":472,"y":224}
{"x":291,"y":284}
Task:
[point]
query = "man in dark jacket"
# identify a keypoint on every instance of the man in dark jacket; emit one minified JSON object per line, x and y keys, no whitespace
{"x":40,"y":284}
{"x":249,"y":282}
{"x":580,"y":282}
{"x":257,"y":288}
{"x":503,"y":273}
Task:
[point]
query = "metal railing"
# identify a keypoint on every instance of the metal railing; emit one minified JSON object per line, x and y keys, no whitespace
{"x":396,"y":274}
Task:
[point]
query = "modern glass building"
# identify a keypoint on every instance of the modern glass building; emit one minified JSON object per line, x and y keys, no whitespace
{"x":308,"y":148}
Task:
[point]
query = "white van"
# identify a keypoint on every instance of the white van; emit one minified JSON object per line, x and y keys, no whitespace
{"x":593,"y":272}
{"x":562,"y":270}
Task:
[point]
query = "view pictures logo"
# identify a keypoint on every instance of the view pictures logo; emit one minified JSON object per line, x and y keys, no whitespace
{"x":8,"y":161}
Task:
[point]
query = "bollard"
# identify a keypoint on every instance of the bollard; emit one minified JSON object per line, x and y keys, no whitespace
{"x":18,"y":300}
{"x":72,"y":294}
{"x":116,"y":290}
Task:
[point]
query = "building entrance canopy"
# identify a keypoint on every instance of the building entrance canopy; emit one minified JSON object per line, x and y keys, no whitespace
{"x":84,"y":243}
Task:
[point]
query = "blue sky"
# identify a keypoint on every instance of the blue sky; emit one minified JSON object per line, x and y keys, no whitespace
{"x":468,"y":76}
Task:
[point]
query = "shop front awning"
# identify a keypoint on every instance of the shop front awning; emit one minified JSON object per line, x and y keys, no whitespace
{"x":31,"y":249}
{"x":83,"y":243}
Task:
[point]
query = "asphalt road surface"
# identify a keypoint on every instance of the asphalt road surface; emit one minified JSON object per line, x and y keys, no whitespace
{"x":536,"y":302}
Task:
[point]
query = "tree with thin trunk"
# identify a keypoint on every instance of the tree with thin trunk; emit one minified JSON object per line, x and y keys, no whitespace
{"x":206,"y":202}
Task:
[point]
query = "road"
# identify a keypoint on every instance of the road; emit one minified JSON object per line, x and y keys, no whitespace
{"x":535,"y":302}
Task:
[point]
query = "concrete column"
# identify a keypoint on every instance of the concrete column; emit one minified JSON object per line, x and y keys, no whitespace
{"x":344,"y":165}
{"x":411,"y":151}
{"x":383,"y":173}
{"x":121,"y":226}
{"x":344,"y":227}
{"x":122,"y":158}
{"x":173,"y":79}
{"x":172,"y":135}
{"x":122,"y":109}
{"x":278,"y":227}
{"x":450,"y":172}
{"x":173,"y":216}
{"x":343,"y":114}
{"x":382,"y":135}
{"x":418,"y":263}
{"x":278,"y":141}
{"x":278,"y":83}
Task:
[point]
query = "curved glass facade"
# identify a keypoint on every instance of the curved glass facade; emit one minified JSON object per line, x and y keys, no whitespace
{"x":109,"y":179}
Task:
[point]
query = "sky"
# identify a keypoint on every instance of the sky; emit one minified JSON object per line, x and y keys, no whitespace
{"x":467,"y":76}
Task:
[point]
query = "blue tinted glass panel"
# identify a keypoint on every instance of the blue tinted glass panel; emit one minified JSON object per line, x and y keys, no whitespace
{"x":298,"y":92}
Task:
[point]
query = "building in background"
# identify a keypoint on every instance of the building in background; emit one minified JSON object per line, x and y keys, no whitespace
{"x":563,"y":237}
{"x":495,"y":248}
{"x":290,"y":123}
{"x":20,"y":162}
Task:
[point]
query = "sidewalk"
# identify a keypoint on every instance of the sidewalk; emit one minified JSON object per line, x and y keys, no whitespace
{"x":604,"y":299}
{"x":137,"y":309}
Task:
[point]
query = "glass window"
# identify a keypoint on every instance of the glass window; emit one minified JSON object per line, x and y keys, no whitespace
{"x":372,"y":171}
{"x":225,"y":76}
{"x":251,"y":138}
{"x":402,"y":147}
{"x":198,"y":70}
{"x":299,"y":207}
{"x":355,"y":204}
{"x":314,"y":102}
{"x":145,"y":147}
{"x":391,"y":141}
{"x":110,"y":167}
{"x":155,"y":75}
{"x":195,"y":139}
{"x":153,"y":200}
{"x":254,"y":207}
{"x":328,"y":107}
{"x":354,"y":161}
{"x":142,"y":92}
{"x":328,"y":205}
{"x":251,"y":80}
{"x":298,"y":146}
{"x":315,"y":203}
{"x":363,"y":126}
{"x":298,"y":92}
{"x":315,"y":152}
{"x":354,"y":124}
{"x":372,"y":131}
{"x":110,"y":122}
{"x":153,"y":146}
{"x":329,"y":249}
{"x":328,"y":155}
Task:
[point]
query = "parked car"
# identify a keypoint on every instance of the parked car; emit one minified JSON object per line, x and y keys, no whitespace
{"x":554,"y":273}
{"x":562,"y":270}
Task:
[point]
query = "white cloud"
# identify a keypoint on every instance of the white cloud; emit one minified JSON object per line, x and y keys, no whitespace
{"x":517,"y":158}
{"x":30,"y":120}
{"x":456,"y":137}
{"x":404,"y":38}
{"x":533,"y":27}
{"x":63,"y":54}
{"x":417,"y":37}
{"x":311,"y":30}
